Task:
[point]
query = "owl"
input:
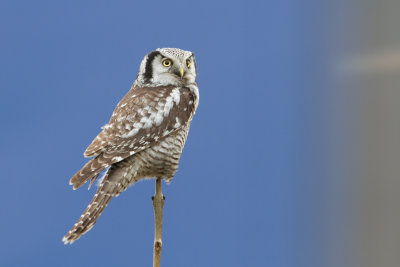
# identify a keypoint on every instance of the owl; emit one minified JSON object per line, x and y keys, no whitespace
{"x":145,"y":135}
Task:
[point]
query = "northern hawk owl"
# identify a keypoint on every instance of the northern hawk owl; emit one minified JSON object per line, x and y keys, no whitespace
{"x":146,"y":132}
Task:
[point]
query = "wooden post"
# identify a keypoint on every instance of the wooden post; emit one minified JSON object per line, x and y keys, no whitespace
{"x":158,"y":204}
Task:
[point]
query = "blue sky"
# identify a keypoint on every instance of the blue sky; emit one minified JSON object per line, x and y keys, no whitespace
{"x":248,"y":191}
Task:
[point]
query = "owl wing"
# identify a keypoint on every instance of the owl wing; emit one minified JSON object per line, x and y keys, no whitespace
{"x":144,"y":117}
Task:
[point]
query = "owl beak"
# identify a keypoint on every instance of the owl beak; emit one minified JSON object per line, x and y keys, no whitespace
{"x":182,"y":72}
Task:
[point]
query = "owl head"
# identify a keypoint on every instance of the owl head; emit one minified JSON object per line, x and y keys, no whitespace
{"x":167,"y":66}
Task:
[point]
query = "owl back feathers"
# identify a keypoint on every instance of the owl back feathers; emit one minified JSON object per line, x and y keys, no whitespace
{"x":143,"y":118}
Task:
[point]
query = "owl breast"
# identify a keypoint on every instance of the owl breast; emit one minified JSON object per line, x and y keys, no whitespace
{"x":160,"y":160}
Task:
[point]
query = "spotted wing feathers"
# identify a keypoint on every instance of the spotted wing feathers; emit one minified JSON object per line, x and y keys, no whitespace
{"x":94,"y":167}
{"x":144,"y":117}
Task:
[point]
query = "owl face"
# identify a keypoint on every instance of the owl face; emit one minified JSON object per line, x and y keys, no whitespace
{"x":167,"y":66}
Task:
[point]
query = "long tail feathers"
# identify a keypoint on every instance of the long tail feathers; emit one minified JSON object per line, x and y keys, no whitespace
{"x":89,"y":217}
{"x":115,"y":181}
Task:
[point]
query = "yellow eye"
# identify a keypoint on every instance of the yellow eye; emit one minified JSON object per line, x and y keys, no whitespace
{"x":167,"y":62}
{"x":188,"y":63}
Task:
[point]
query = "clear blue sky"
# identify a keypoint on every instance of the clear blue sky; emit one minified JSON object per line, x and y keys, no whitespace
{"x":248,"y":191}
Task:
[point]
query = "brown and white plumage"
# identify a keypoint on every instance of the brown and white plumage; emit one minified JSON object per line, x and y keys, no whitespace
{"x":145,"y":135}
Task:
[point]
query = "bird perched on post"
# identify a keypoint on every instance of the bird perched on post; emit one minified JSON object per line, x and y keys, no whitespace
{"x":146,"y":132}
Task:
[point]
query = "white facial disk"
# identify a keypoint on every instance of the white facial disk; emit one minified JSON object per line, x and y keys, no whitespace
{"x":167,"y":66}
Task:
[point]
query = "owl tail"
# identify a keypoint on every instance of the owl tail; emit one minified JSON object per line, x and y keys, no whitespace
{"x":114,"y":182}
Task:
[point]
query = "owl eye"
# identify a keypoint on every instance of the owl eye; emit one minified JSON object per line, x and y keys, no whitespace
{"x":167,"y":62}
{"x":188,"y":63}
